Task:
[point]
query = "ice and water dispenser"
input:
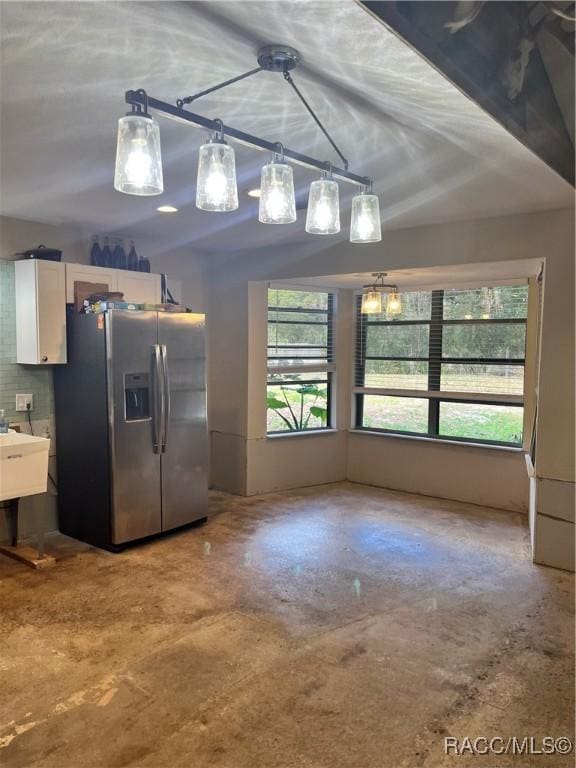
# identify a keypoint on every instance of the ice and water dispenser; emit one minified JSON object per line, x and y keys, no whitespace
{"x":137,"y":396}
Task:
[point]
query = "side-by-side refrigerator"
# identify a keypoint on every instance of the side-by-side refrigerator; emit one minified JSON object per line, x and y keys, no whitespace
{"x":131,"y":432}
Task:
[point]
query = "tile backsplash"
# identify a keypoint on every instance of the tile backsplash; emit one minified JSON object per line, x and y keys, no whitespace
{"x":16,"y":378}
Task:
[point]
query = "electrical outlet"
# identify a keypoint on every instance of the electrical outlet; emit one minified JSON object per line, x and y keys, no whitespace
{"x":22,"y":402}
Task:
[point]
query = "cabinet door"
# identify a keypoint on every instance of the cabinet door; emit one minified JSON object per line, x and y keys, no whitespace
{"x":51,"y":312}
{"x":40,"y":312}
{"x":131,"y":339}
{"x":185,"y":433}
{"x":138,"y":287}
{"x":84,"y":273}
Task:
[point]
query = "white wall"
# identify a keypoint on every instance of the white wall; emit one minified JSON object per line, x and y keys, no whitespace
{"x":187,"y":267}
{"x":476,"y":474}
{"x":18,"y":235}
{"x":246,"y":462}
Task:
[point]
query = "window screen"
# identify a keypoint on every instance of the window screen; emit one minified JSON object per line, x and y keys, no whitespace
{"x":300,"y":360}
{"x":451,"y":365}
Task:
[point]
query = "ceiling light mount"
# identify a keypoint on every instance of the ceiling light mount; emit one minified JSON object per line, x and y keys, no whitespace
{"x":278,"y":58}
{"x":273,"y":58}
{"x":379,"y":284}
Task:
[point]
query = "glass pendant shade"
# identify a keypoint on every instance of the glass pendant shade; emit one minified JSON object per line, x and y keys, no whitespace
{"x":365,"y":222}
{"x":371,"y":303}
{"x":216,"y":188}
{"x":323,"y":215}
{"x":277,"y":200}
{"x":138,"y":157}
{"x":393,"y":303}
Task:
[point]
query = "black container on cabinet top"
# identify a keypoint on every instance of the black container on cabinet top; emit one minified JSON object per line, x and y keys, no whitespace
{"x":48,"y":254}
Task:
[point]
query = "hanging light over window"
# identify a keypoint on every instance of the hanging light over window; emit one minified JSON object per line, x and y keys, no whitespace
{"x":216,"y":188}
{"x":393,"y":303}
{"x":372,"y":297}
{"x":365,"y":221}
{"x":277,"y":199}
{"x":323,"y":214}
{"x":138,"y":157}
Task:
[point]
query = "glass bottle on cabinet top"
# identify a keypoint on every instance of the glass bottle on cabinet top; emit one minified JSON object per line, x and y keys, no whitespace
{"x":132,"y":257}
{"x":106,"y":254}
{"x":143,"y":264}
{"x":119,"y":256}
{"x":95,"y":253}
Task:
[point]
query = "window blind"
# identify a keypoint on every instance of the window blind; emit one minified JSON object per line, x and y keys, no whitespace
{"x":300,"y":359}
{"x":446,"y":346}
{"x":300,"y":331}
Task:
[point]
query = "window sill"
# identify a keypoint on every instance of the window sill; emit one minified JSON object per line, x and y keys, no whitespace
{"x":461,"y":443}
{"x":303,"y":433}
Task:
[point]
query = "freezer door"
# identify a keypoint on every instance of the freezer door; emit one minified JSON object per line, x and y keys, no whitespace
{"x":133,"y":367}
{"x":184,"y":434}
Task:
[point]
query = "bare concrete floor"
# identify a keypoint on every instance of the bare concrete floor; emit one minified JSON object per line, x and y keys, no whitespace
{"x":331,"y":627}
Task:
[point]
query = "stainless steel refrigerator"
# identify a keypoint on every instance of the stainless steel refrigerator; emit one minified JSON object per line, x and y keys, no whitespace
{"x":131,"y":432}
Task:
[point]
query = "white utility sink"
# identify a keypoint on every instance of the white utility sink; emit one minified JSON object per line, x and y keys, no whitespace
{"x":23,"y":465}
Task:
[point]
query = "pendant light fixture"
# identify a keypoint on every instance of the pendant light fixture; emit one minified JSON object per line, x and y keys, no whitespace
{"x":372,"y":297}
{"x":216,"y":188}
{"x":277,"y":199}
{"x":138,"y":156}
{"x":323,"y":214}
{"x":365,"y":220}
{"x":139,"y":164}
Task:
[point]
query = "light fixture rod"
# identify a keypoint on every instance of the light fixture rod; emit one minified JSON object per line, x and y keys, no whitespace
{"x":176,"y":112}
{"x":190,"y":99}
{"x":290,"y":81}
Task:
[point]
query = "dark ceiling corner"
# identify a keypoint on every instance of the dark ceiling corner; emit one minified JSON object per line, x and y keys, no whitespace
{"x":514,"y":59}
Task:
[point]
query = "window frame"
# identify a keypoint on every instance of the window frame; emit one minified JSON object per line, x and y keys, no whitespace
{"x":435,"y":360}
{"x":314,"y":367}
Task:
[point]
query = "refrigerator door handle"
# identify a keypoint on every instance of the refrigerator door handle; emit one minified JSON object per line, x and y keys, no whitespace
{"x":166,"y":396}
{"x":158,"y":400}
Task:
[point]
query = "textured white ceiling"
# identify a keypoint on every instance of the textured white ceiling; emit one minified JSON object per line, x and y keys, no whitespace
{"x":64,"y":67}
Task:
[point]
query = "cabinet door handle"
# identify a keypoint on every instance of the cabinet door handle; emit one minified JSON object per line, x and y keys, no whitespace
{"x":44,"y":358}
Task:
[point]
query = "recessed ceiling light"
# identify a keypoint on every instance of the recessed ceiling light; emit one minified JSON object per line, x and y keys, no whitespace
{"x":167,"y":209}
{"x":254,"y":193}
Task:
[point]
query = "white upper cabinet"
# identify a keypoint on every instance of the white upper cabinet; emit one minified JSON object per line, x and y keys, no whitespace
{"x":137,"y":287}
{"x":84,"y":273}
{"x":43,"y":288}
{"x":40,"y":312}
